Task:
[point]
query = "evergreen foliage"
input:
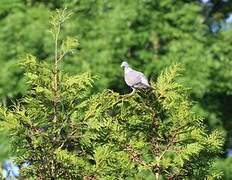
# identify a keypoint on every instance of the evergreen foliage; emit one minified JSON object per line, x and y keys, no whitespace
{"x":224,"y":165}
{"x":65,"y":132}
{"x":159,"y":131}
{"x":150,"y":34}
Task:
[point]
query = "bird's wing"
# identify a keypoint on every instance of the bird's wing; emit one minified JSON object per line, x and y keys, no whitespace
{"x":133,"y":78}
{"x":144,"y":81}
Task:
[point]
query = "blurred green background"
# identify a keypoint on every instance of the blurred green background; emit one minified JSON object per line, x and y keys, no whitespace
{"x":149,"y":34}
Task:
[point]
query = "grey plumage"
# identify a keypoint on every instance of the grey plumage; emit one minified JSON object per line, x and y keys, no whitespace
{"x":133,"y":78}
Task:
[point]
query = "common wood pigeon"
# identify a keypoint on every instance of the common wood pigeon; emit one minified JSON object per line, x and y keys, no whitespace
{"x":133,"y":78}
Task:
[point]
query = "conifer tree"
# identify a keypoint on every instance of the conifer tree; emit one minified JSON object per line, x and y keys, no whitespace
{"x":44,"y":127}
{"x":65,"y":132}
{"x":159,"y":131}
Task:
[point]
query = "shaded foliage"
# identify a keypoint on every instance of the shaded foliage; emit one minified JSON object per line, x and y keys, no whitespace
{"x":67,"y":132}
{"x":149,"y":34}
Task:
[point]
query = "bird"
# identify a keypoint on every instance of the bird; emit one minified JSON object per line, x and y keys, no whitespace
{"x":134,"y":79}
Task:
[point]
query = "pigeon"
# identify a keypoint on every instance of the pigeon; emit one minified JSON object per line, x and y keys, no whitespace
{"x":134,"y":79}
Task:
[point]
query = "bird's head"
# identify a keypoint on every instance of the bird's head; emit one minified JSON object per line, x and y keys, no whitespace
{"x":124,"y":64}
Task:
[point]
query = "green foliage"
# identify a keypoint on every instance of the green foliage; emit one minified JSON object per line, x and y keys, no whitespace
{"x":66,"y":132}
{"x":4,"y":147}
{"x":150,"y":34}
{"x":159,"y":131}
{"x":224,"y":165}
{"x":39,"y":123}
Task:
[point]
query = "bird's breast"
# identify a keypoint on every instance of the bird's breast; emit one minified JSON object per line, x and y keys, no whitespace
{"x":130,"y":79}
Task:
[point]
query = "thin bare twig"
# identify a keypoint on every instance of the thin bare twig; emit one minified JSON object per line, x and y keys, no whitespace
{"x":136,"y":157}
